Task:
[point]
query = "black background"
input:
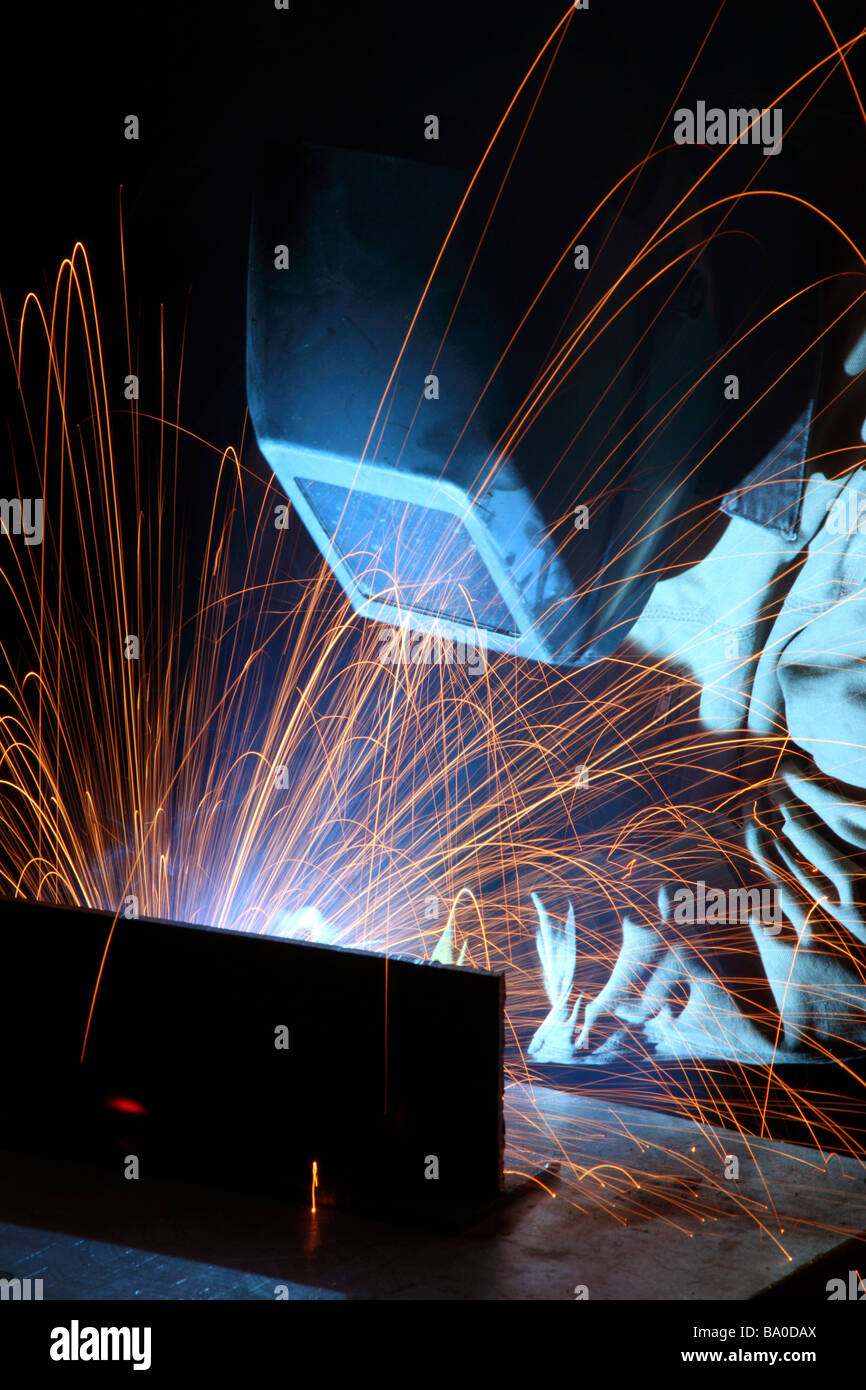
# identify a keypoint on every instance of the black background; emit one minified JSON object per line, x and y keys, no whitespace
{"x":212,"y":84}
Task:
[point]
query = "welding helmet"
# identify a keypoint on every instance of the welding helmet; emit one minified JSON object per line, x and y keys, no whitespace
{"x":495,"y":441}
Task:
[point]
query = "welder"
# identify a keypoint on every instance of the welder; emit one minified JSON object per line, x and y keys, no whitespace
{"x":482,"y":444}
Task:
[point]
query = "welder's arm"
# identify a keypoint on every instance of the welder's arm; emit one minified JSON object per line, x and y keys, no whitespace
{"x":816,"y":858}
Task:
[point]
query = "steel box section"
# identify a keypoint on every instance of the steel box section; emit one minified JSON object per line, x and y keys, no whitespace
{"x":391,"y":1063}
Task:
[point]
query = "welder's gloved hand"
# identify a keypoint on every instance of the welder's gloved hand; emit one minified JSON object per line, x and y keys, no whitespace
{"x":667,"y":989}
{"x":637,"y":989}
{"x":641,"y":981}
{"x":557,"y":952}
{"x":652,"y":971}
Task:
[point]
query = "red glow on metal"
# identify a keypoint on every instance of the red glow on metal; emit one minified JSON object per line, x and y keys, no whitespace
{"x":125,"y":1105}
